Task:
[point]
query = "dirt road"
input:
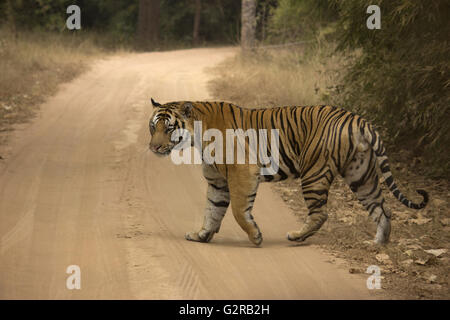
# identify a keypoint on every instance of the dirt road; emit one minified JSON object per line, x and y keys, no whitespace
{"x":79,"y":187}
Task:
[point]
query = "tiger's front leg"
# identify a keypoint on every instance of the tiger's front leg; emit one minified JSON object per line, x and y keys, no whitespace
{"x":218,"y":200}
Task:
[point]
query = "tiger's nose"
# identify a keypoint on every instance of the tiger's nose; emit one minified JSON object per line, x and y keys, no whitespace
{"x":155,"y":147}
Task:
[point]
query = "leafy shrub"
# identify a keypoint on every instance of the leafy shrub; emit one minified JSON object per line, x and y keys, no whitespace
{"x":293,"y":20}
{"x":401,"y":79}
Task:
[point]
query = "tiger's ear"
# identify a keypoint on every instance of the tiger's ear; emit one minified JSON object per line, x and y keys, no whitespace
{"x":155,"y":104}
{"x":186,"y":109}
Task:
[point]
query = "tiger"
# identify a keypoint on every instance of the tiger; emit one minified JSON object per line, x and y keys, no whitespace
{"x":315,"y":144}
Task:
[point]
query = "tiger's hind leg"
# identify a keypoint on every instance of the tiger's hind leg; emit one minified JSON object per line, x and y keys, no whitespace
{"x":362,"y":177}
{"x":243,"y":187}
{"x":218,"y":200}
{"x":315,"y":192}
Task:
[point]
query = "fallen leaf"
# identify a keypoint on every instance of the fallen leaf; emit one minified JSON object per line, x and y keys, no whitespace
{"x":420,"y":221}
{"x":445,"y":221}
{"x":409,"y":253}
{"x":430,"y":278}
{"x":439,"y":202}
{"x":421,"y":262}
{"x":383,"y":258}
{"x":414,"y":247}
{"x":406,"y":242}
{"x":436,"y":252}
{"x":407,"y":262}
{"x":425,"y":260}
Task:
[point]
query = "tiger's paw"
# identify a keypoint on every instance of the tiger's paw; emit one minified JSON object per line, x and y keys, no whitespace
{"x":202,"y":236}
{"x":298,"y":236}
{"x":256,"y":239}
{"x":311,"y":226}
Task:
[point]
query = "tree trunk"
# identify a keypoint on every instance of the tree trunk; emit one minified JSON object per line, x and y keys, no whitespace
{"x":248,"y":28}
{"x":148,"y":24}
{"x":198,"y":10}
{"x":11,"y":18}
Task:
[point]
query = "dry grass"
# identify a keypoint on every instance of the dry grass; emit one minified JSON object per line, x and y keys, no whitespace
{"x":277,"y":77}
{"x":34,"y":64}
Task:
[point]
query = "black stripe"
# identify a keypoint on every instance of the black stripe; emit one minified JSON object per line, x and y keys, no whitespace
{"x":234,"y":116}
{"x":318,"y":192}
{"x":389,"y":181}
{"x":385,"y":169}
{"x":223,"y":204}
{"x":249,"y":208}
{"x":224,"y":188}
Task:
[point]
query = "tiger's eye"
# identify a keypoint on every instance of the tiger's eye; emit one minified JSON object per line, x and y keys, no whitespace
{"x":152,"y":127}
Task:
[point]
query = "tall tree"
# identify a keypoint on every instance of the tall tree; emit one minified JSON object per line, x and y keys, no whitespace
{"x":198,"y":10}
{"x":248,"y":28}
{"x":11,"y":18}
{"x":148,"y":24}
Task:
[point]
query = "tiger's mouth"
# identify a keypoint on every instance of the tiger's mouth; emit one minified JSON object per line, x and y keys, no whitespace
{"x":166,"y":149}
{"x":163,"y":151}
{"x":162,"y":154}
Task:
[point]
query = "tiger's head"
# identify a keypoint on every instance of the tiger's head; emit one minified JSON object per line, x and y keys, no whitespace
{"x":165,"y":119}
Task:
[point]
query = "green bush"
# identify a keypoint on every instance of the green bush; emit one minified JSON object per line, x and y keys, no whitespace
{"x":293,"y":20}
{"x":401,"y":78}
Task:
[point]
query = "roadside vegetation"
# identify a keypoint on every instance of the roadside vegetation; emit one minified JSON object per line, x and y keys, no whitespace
{"x":38,"y":52}
{"x":396,"y":77}
{"x":33,"y":64}
{"x":278,"y":76}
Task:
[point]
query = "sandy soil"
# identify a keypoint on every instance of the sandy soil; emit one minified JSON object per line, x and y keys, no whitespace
{"x":79,"y":187}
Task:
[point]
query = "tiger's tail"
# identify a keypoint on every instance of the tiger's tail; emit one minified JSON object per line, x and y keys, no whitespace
{"x":373,"y":138}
